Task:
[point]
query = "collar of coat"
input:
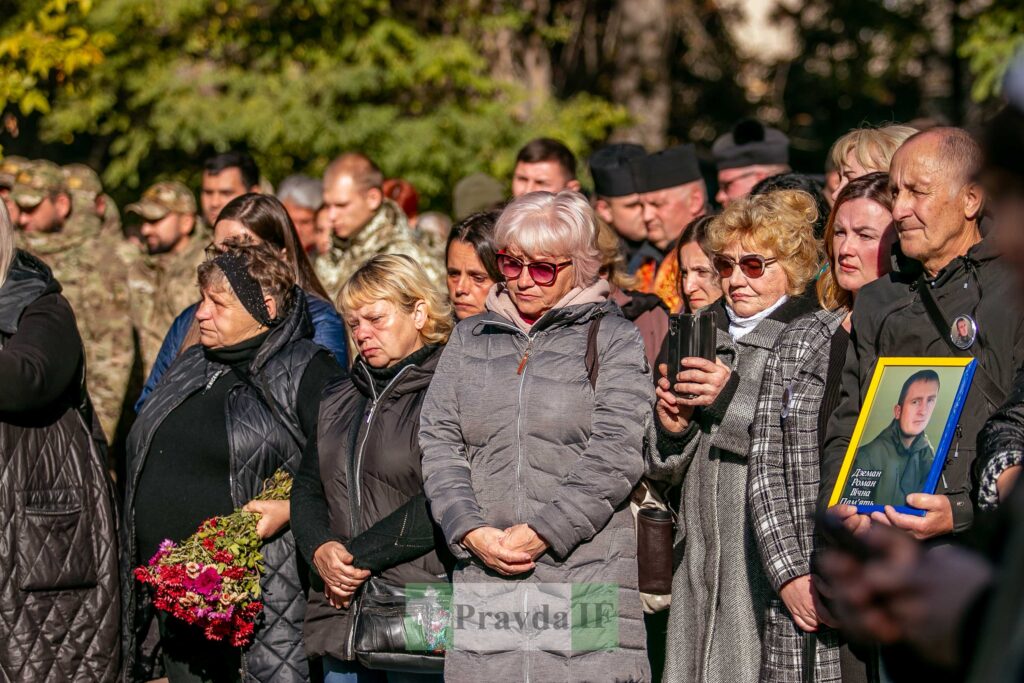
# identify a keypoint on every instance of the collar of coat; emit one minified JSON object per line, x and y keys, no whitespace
{"x":410,"y":380}
{"x":27,"y":280}
{"x":795,"y":307}
{"x":906,"y":269}
{"x":565,"y":316}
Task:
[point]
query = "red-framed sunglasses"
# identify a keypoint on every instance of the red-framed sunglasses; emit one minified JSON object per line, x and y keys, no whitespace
{"x":541,"y":272}
{"x":751,"y":265}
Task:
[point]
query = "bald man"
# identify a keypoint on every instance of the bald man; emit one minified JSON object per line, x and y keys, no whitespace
{"x":937,"y":206}
{"x":364,"y":223}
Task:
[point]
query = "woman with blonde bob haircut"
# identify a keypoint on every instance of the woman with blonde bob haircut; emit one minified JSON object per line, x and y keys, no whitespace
{"x":765,"y":252}
{"x":367,"y":442}
{"x":866,"y":150}
{"x":532,"y":436}
{"x":801,"y":380}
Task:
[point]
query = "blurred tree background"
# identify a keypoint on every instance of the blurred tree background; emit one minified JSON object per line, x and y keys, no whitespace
{"x":144,"y":90}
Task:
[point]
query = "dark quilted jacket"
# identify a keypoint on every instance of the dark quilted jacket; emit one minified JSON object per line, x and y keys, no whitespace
{"x":388,"y":473}
{"x":261,"y":443}
{"x":59,"y":596}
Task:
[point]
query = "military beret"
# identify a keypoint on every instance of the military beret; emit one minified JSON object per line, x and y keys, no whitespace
{"x":35,"y":182}
{"x":668,"y":168}
{"x":610,"y":169}
{"x":750,"y":143}
{"x":163,"y":198}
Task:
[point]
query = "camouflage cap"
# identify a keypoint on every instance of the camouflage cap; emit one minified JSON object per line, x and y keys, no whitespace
{"x":82,"y":180}
{"x":9,"y":168}
{"x":38,"y":180}
{"x":163,"y":198}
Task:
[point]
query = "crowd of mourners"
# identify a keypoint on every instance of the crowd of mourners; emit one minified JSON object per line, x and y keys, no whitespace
{"x":490,"y":401}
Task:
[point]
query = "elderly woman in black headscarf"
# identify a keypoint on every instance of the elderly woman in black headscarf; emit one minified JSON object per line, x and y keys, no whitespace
{"x":228,"y":413}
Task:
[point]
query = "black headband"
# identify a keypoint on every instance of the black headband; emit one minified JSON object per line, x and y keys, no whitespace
{"x":247,"y":289}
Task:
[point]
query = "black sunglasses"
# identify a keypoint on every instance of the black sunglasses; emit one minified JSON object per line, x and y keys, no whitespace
{"x":751,"y":265}
{"x":541,"y":272}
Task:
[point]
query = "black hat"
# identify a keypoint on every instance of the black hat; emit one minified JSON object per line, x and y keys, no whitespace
{"x":609,"y":167}
{"x":750,"y":143}
{"x":668,"y":168}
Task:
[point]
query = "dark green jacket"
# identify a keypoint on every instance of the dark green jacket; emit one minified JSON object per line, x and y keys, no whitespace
{"x":904,"y":469}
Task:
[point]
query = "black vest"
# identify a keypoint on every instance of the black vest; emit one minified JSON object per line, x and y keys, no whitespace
{"x":264,"y":435}
{"x":59,"y":587}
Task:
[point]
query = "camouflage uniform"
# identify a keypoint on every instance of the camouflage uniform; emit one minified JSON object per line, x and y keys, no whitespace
{"x":387,"y":232}
{"x":85,"y":186}
{"x":163,"y":285}
{"x":90,"y":267}
{"x":9,"y":169}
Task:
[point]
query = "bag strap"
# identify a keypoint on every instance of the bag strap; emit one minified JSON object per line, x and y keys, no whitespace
{"x":590,"y":358}
{"x":993,"y":392}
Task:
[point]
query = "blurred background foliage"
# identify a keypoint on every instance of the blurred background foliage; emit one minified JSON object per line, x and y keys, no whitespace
{"x":144,"y":90}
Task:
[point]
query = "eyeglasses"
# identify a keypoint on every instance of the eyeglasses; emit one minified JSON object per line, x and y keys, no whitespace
{"x":751,"y":265}
{"x":541,"y":272}
{"x":724,"y":186}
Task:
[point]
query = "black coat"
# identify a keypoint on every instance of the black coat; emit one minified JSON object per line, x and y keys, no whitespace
{"x":375,"y":436}
{"x":59,"y":595}
{"x":889,"y":319}
{"x":264,"y":434}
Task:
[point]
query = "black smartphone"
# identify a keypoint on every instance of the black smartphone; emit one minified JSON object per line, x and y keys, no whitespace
{"x":690,"y":336}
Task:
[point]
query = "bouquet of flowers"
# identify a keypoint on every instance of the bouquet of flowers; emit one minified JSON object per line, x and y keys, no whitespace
{"x":212,"y":578}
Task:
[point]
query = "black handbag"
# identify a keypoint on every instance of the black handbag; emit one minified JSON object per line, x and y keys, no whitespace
{"x":393,"y":631}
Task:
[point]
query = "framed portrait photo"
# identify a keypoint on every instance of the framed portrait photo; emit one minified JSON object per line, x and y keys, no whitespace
{"x":903,"y":433}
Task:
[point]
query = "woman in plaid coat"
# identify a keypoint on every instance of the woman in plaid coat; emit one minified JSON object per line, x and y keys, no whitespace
{"x":798,"y":393}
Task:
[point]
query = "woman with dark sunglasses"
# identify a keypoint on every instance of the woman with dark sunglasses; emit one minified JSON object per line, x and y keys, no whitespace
{"x":765,"y":253}
{"x":530,"y":452}
{"x":799,"y":393}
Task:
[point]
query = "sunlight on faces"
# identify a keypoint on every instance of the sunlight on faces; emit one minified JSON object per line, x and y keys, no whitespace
{"x":348,"y":207}
{"x":305,"y":224}
{"x":384,"y":333}
{"x":915,"y":412}
{"x":863,"y":239}
{"x":531,"y":299}
{"x":667,"y":212}
{"x":698,"y":279}
{"x":228,"y":229}
{"x":223,"y":320}
{"x":851,"y":169}
{"x":542,"y":176}
{"x":468,"y":281}
{"x":624,"y":214}
{"x":218,"y":190}
{"x":168,"y":234}
{"x":46,"y":216}
{"x":749,"y":296}
{"x":12,"y":209}
{"x":736,"y":183}
{"x":931,"y":206}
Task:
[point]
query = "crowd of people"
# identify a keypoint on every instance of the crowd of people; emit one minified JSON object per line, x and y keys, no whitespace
{"x":489,"y":402}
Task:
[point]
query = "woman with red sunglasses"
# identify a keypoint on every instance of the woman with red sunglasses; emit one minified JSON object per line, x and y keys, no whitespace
{"x":765,"y":252}
{"x":530,"y":452}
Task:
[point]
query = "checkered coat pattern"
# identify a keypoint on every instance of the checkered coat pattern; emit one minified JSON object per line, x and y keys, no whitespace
{"x":783,"y":488}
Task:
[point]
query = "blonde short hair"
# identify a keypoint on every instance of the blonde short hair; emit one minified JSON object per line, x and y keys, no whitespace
{"x":613,"y":263}
{"x":399,"y":280}
{"x":780,"y":222}
{"x":560,"y":224}
{"x":873,"y":148}
{"x":6,"y":243}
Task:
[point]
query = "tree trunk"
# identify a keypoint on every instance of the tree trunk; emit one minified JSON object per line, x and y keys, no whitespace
{"x":638,"y":36}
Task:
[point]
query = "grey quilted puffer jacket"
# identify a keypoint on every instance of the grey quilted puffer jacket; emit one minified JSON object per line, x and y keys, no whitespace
{"x":261,"y":442}
{"x":59,"y":596}
{"x":545,"y":448}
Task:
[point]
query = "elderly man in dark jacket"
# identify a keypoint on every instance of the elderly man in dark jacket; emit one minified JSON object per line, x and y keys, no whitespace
{"x":941,"y":256}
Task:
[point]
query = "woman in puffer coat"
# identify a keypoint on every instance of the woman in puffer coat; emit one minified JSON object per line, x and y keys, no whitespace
{"x":59,"y":603}
{"x":530,"y":454}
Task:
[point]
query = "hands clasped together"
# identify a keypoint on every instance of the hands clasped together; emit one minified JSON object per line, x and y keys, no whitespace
{"x":334,"y":564}
{"x":509,"y":552}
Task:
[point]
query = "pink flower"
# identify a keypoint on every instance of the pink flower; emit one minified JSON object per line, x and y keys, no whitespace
{"x":207,"y":582}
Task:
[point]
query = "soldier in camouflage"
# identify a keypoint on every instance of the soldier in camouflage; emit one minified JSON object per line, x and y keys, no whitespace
{"x":87,"y":196}
{"x":94,"y":278}
{"x":163,"y":282}
{"x":364,"y":224}
{"x":9,"y":169}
